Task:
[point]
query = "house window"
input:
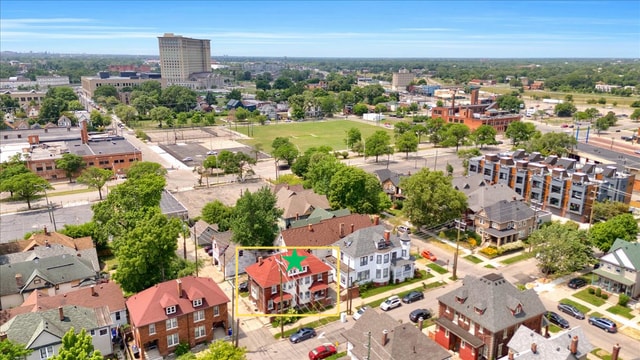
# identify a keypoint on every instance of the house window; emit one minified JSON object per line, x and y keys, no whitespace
{"x":197,"y":302}
{"x":371,"y":258}
{"x":378,"y":273}
{"x":307,"y":294}
{"x":446,"y":333}
{"x":463,"y":344}
{"x":117,"y":315}
{"x":172,"y":340}
{"x":216,"y":310}
{"x":274,"y":289}
{"x":103,"y":332}
{"x":481,"y":221}
{"x":152,"y":329}
{"x":386,"y":258}
{"x":364,"y":260}
{"x":171,"y":309}
{"x":200,"y":331}
{"x":172,"y":323}
{"x":270,"y":304}
{"x":363,"y":275}
{"x":378,"y":259}
{"x":198,"y":316}
{"x":93,"y":332}
{"x":385,"y":273}
{"x":240,"y":253}
{"x":319,"y":277}
{"x":46,"y":352}
{"x":404,"y":253}
{"x":307,"y":280}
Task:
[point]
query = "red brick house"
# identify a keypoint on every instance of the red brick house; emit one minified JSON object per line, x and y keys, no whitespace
{"x":478,"y":319}
{"x":308,"y":287}
{"x":185,"y":310}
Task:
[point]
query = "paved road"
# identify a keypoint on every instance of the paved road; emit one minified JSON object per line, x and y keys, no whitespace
{"x":14,"y":226}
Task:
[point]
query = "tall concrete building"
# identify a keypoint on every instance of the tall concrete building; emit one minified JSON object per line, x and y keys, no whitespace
{"x":181,"y":57}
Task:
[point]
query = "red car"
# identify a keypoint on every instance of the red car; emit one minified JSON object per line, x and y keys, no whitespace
{"x":428,"y":255}
{"x":322,"y":352}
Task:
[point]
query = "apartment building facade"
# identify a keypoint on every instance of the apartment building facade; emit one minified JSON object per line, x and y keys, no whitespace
{"x":561,"y":186}
{"x":180,"y":57}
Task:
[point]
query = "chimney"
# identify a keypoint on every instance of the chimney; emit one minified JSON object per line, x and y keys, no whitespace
{"x":297,"y":216}
{"x":385,"y":334}
{"x":93,"y":290}
{"x":420,"y":323}
{"x":19,"y":281}
{"x":310,"y":227}
{"x":260,"y":260}
{"x":352,"y":228}
{"x":376,"y":220}
{"x":46,"y":232}
{"x":616,"y":352}
{"x":387,"y":236}
{"x":573,"y":348}
{"x":341,"y":229}
{"x":510,"y":355}
{"x":84,"y":134}
{"x":61,"y":313}
{"x":474,"y":96}
{"x":46,"y":242}
{"x":179,"y":282}
{"x":534,"y":348}
{"x":3,"y":336}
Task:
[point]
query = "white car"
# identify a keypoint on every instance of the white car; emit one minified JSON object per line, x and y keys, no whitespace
{"x":212,"y":152}
{"x":187,"y":159}
{"x":360,"y":312}
{"x":391,"y":303}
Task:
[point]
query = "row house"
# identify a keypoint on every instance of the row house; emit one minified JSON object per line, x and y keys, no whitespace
{"x":560,"y":185}
{"x":478,"y":319}
{"x":276,"y":287}
{"x":619,"y":270}
{"x":185,"y":310}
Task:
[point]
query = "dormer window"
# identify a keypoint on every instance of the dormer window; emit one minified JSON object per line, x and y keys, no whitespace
{"x":517,"y":310}
{"x":478,"y":311}
{"x":197,"y":302}
{"x":171,"y":309}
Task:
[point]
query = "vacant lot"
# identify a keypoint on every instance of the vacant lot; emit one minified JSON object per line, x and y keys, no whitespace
{"x":309,"y":133}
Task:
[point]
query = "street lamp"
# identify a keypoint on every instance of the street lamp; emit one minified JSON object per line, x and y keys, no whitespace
{"x":52,"y":216}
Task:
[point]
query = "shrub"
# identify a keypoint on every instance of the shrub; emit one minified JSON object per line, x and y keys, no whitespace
{"x":604,"y":296}
{"x":598,"y":292}
{"x":516,"y":245}
{"x":623,"y":300}
{"x":182,"y":349}
{"x":592,"y":291}
{"x":141,"y":135}
{"x":398,"y":204}
{"x":472,"y":243}
{"x":490,"y":251}
{"x":442,"y":235}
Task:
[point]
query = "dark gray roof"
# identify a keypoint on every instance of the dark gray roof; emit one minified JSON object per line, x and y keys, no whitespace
{"x":171,"y":207}
{"x":497,"y":294}
{"x":469,"y":184}
{"x":318,"y":215}
{"x":363,"y":242}
{"x":504,"y":211}
{"x":566,"y":163}
{"x":26,"y":328}
{"x":40,"y":252}
{"x":553,"y":348}
{"x":404,"y":340}
{"x":54,"y":270}
{"x":386,"y":174}
{"x":490,"y":194}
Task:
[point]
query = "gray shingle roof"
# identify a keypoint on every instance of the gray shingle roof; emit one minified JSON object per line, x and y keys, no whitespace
{"x":505,"y":211}
{"x":553,"y":348}
{"x":363,"y":242}
{"x":40,"y":252}
{"x":386,"y":174}
{"x":498,"y":295}
{"x":490,"y":194}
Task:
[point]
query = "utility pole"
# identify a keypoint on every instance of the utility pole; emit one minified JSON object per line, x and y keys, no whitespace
{"x":233,"y":308}
{"x":281,"y":319}
{"x":369,"y":346}
{"x":455,"y":256}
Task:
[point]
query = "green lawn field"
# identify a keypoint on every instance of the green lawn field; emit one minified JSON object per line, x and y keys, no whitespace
{"x":309,"y":134}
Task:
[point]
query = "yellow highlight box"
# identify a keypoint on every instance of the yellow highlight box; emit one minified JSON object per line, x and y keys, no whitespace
{"x":236,"y":292}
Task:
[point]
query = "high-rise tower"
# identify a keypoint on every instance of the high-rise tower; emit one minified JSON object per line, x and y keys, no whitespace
{"x":181,"y":56}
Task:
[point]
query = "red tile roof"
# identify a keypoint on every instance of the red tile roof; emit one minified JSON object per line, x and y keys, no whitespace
{"x":267,"y":274}
{"x":145,"y":307}
{"x":326,"y":232}
{"x":106,"y":294}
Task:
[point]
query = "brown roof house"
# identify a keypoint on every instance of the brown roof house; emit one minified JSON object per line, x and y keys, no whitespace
{"x":478,"y":319}
{"x":390,"y":181}
{"x":389,"y":339}
{"x":297,"y":203}
{"x":184,"y":310}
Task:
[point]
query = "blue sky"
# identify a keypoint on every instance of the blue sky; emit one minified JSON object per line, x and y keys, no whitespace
{"x":299,"y":28}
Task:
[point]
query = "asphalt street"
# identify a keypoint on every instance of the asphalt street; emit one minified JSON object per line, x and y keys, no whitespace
{"x":14,"y":226}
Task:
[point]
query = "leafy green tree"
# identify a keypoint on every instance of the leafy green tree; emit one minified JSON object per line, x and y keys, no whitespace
{"x":301,"y":166}
{"x":635,"y":115}
{"x":70,"y":163}
{"x":97,"y":120}
{"x":605,"y":210}
{"x":603,"y":234}
{"x":419,"y":130}
{"x":484,"y":135}
{"x":355,"y":189}
{"x":359,"y":109}
{"x":234,"y":163}
{"x":77,"y":347}
{"x":509,"y":102}
{"x":78,"y":231}
{"x":565,"y":109}
{"x":353,"y":136}
{"x":105,"y":91}
{"x":328,"y":105}
{"x":140,"y":169}
{"x":125,"y":113}
{"x":287,"y":152}
{"x":401,"y":128}
{"x":561,"y":249}
{"x":456,"y":134}
{"x":465,"y":155}
{"x":221,"y":349}
{"x":322,"y":168}
{"x":601,"y":125}
{"x":143,"y":103}
{"x":407,"y":142}
{"x":9,"y":170}
{"x":26,"y":186}
{"x":13,"y":351}
{"x":519,"y":131}
{"x":289,"y":179}
{"x":178,"y":98}
{"x":379,"y":143}
{"x":51,"y":109}
{"x":551,"y":144}
{"x":95,"y":177}
{"x":255,"y":218}
{"x":160,"y":114}
{"x":74,"y":105}
{"x":602,"y":101}
{"x":218,"y":213}
{"x":431,"y":199}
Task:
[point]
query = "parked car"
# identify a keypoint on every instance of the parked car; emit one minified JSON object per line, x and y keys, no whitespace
{"x":243,"y":286}
{"x":360,"y":312}
{"x":187,"y":159}
{"x":302,"y":335}
{"x":419,"y":313}
{"x":322,"y":352}
{"x":428,"y":255}
{"x":571,"y":310}
{"x":604,"y":324}
{"x":391,"y":303}
{"x":577,"y":283}
{"x":412,"y":296}
{"x":564,"y":125}
{"x":556,"y":319}
{"x":212,"y":152}
{"x":403,"y":228}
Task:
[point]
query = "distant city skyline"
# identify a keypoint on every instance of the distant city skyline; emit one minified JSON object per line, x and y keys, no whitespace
{"x":348,"y":29}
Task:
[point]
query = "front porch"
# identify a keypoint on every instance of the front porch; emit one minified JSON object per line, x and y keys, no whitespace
{"x":499,"y":237}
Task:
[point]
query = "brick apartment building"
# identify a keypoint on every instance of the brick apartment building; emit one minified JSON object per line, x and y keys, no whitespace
{"x":562,"y":186}
{"x":475,"y":114}
{"x":184,"y":310}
